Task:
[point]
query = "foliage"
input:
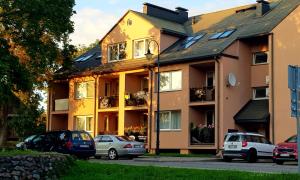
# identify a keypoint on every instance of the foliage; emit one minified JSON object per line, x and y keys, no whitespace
{"x":81,"y":49}
{"x":31,"y":34}
{"x":86,"y":170}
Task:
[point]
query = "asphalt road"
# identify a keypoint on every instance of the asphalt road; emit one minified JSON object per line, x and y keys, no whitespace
{"x":266,"y":166}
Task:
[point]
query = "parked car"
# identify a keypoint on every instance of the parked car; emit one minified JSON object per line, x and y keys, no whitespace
{"x":78,"y":143}
{"x":286,"y":151}
{"x":248,"y":146}
{"x":24,"y":144}
{"x":116,"y":146}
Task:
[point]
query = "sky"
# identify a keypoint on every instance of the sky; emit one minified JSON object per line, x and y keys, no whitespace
{"x":94,"y":18}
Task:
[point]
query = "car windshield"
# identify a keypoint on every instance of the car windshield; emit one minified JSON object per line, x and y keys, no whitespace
{"x":292,"y":139}
{"x":30,"y":138}
{"x":234,"y":138}
{"x":124,"y":138}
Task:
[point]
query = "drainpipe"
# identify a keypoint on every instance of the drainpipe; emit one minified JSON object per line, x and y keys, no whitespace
{"x":273,"y":89}
{"x":218,"y":103}
{"x":95,"y":104}
{"x":150,"y":111}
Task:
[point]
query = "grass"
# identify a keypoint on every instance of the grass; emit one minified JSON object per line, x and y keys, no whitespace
{"x":180,"y":155}
{"x":86,"y":170}
{"x":4,"y":152}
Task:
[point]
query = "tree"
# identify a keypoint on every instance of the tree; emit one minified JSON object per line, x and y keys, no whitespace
{"x":31,"y":34}
{"x":81,"y":48}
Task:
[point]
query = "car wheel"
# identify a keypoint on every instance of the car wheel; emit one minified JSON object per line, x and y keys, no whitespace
{"x":227,"y":159}
{"x":112,"y":154}
{"x":97,"y":157}
{"x":279,"y":162}
{"x":252,"y":156}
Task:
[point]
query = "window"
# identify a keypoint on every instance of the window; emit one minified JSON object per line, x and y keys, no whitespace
{"x":261,"y":93}
{"x":189,"y":41}
{"x":234,"y":138}
{"x":210,"y":118}
{"x":117,"y":52}
{"x":83,"y":123}
{"x":210,"y":79}
{"x":220,"y":35}
{"x":169,"y":120}
{"x":170,"y":81}
{"x":141,"y":48}
{"x":84,"y":89}
{"x":260,"y":58}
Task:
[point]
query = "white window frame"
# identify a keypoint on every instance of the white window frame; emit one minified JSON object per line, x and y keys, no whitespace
{"x":85,"y":96}
{"x":170,"y":120}
{"x":254,"y":58}
{"x":85,"y":118}
{"x":145,"y":45}
{"x":267,"y":93}
{"x":170,"y":83}
{"x":108,"y":51}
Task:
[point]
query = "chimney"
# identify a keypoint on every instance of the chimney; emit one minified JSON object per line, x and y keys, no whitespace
{"x":178,"y":16}
{"x":262,"y":7}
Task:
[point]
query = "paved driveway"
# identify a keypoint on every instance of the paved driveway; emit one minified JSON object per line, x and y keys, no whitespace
{"x":206,"y":163}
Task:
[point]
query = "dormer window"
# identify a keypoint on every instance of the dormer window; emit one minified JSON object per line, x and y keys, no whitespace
{"x":140,"y":48}
{"x":117,"y":52}
{"x":260,"y":58}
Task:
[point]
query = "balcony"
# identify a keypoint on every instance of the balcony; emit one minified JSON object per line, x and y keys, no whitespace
{"x":202,"y":135}
{"x":204,"y":94}
{"x":136,"y":99}
{"x":108,"y":102}
{"x":61,"y":105}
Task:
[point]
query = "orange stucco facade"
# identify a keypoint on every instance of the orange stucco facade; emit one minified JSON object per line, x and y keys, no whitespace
{"x":216,"y":111}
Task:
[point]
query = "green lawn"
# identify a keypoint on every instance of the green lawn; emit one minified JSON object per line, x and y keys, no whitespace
{"x":85,"y":170}
{"x":4,"y":152}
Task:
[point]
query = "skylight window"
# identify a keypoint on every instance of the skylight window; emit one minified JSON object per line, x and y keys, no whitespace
{"x":223,"y":34}
{"x":191,"y":40}
{"x":84,"y":58}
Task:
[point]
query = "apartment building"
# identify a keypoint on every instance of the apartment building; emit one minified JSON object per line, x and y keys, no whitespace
{"x":221,"y":71}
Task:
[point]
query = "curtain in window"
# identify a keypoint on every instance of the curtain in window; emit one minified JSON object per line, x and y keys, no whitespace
{"x":164,"y":120}
{"x":175,"y":122}
{"x":90,"y":89}
{"x":176,"y":80}
{"x":80,"y":123}
{"x":88,"y":126}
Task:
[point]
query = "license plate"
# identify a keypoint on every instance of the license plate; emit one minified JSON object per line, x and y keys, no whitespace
{"x":232,"y":146}
{"x":284,"y":155}
{"x":137,"y":146}
{"x":84,"y":146}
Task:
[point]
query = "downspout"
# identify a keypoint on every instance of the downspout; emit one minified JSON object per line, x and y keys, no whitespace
{"x":218,"y":104}
{"x":150,"y":111}
{"x":95,"y":104}
{"x":273,"y":89}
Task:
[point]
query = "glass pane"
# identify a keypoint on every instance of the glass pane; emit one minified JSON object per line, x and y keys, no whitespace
{"x":260,"y":93}
{"x":122,"y":51}
{"x":152,"y":46}
{"x":164,"y":81}
{"x":216,"y":35}
{"x":139,"y":48}
{"x":226,"y":33}
{"x":90,"y":89}
{"x":113,"y":52}
{"x":176,"y":80}
{"x":80,"y":123}
{"x":234,"y":138}
{"x":80,"y":90}
{"x":85,"y":137}
{"x":88,"y":123}
{"x":164,"y":119}
{"x":175,"y":120}
{"x":261,"y":58}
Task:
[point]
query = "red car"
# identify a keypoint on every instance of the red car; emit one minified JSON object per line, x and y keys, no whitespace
{"x":286,"y":151}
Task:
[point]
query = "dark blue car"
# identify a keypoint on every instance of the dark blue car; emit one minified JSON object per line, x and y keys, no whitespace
{"x":78,"y":143}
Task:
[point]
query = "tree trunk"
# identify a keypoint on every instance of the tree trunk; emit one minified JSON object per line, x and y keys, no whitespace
{"x":3,"y":124}
{"x":3,"y":135}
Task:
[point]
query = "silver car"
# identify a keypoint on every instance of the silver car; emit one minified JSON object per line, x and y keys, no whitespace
{"x":116,"y":146}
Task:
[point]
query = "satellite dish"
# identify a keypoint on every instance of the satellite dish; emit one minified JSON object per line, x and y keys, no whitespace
{"x":231,"y":80}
